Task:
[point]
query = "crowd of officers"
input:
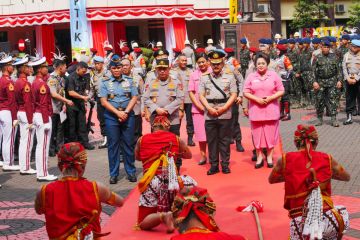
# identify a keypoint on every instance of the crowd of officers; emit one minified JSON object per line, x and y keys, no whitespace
{"x":127,"y":88}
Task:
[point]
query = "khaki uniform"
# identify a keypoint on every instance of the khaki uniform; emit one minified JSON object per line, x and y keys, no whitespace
{"x":95,"y":80}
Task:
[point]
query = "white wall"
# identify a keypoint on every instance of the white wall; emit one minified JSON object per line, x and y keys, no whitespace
{"x":30,"y":6}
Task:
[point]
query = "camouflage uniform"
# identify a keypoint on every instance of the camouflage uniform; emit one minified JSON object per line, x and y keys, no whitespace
{"x":327,"y":74}
{"x":295,"y":84}
{"x":307,"y":74}
{"x":244,"y":60}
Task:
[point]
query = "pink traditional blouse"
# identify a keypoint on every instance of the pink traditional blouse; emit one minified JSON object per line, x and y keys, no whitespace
{"x":263,"y":88}
{"x":194,"y":83}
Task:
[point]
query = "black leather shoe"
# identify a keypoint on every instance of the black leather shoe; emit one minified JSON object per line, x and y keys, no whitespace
{"x":103,"y":146}
{"x":131,"y":178}
{"x":226,"y":170}
{"x":52,"y":154}
{"x":113,"y":180}
{"x":89,"y":147}
{"x":213,"y":170}
{"x":270,"y":165}
{"x":239,"y":147}
{"x":254,"y":157}
{"x":260,"y":165}
{"x":190,"y":141}
{"x":202,"y":161}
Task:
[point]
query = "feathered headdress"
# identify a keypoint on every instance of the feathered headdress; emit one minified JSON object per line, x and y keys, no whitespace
{"x":152,"y":44}
{"x":36,"y":57}
{"x":122,"y":44}
{"x":195,"y":43}
{"x":59,"y":55}
{"x":222,"y":43}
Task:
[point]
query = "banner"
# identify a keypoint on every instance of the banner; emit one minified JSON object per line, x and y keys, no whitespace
{"x":233,"y":11}
{"x":79,"y":28}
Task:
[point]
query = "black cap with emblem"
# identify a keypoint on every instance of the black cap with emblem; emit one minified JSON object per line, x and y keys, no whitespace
{"x":162,"y":63}
{"x":216,"y":56}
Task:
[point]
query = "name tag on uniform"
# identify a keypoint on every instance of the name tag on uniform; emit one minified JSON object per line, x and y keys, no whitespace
{"x":125,"y":84}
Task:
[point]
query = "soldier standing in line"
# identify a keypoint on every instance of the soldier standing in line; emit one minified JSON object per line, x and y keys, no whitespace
{"x":327,"y":84}
{"x":165,"y":96}
{"x":295,"y":83}
{"x":244,"y":56}
{"x":190,"y":55}
{"x":182,"y":73}
{"x":42,"y":119}
{"x":97,"y":74}
{"x":306,"y":72}
{"x":344,"y":47}
{"x":56,"y":84}
{"x":118,"y":96}
{"x":218,"y":93}
{"x":233,"y":66}
{"x":8,"y":118}
{"x":351,"y":71}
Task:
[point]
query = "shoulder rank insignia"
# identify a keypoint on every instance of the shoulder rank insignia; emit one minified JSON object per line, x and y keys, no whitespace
{"x":27,"y":88}
{"x":11,"y":87}
{"x":43,"y":89}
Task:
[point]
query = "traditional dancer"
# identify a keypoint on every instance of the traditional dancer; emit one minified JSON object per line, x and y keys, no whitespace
{"x":160,"y":182}
{"x":72,"y":205}
{"x":307,"y":175}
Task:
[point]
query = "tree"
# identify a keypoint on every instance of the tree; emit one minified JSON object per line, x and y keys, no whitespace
{"x":309,"y":13}
{"x":354,"y":11}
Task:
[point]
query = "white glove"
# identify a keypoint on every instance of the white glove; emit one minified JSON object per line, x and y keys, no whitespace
{"x":15,"y":123}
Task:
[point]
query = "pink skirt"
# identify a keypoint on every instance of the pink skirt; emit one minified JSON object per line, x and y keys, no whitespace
{"x":199,"y":127}
{"x":265,"y":133}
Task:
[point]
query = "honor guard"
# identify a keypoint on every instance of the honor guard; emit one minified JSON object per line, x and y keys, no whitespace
{"x":218,"y":92}
{"x":210,"y":46}
{"x":244,"y":56}
{"x":25,"y":116}
{"x":164,"y":96}
{"x":8,"y":112}
{"x":327,"y":83}
{"x":97,"y":75}
{"x":182,"y":73}
{"x":190,"y":55}
{"x":118,"y":96}
{"x":42,"y":118}
{"x":139,"y":62}
{"x":56,"y":83}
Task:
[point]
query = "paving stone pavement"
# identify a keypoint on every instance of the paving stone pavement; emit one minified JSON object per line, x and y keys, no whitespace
{"x":18,"y":220}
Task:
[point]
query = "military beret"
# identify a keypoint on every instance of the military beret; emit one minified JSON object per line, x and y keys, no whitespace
{"x":216,"y":56}
{"x":176,"y":50}
{"x":291,"y":41}
{"x":229,"y":50}
{"x":115,"y":61}
{"x":162,"y":63}
{"x":316,"y":40}
{"x":200,"y":50}
{"x":345,"y":37}
{"x":281,"y":47}
{"x":253,"y":49}
{"x":355,"y":43}
{"x":332,"y":39}
{"x":137,"y":50}
{"x":125,"y":49}
{"x":98,"y":59}
{"x":326,"y":43}
{"x":269,"y":41}
{"x":243,"y":41}
{"x":93,"y":50}
{"x":283,"y":41}
{"x":306,"y":40}
{"x":299,"y":41}
{"x":262,"y":41}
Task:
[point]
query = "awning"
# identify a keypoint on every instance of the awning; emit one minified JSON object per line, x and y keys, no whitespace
{"x":118,"y":13}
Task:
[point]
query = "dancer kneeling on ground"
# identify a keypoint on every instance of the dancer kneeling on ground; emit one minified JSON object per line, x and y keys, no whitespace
{"x":160,"y":182}
{"x":72,"y":205}
{"x":307,"y":175}
{"x":193,"y":211}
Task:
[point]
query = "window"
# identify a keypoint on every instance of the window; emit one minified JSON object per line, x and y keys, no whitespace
{"x":3,"y":36}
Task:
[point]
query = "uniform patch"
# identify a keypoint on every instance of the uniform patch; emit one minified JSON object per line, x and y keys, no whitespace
{"x":43,"y":89}
{"x":27,"y":88}
{"x":11,"y":87}
{"x":52,"y":82}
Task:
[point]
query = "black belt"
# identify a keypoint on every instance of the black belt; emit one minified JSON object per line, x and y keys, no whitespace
{"x":217,"y":101}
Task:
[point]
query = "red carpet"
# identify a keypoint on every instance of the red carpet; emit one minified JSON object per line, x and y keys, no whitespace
{"x":240,"y":187}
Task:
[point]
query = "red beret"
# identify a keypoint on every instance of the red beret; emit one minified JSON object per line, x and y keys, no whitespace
{"x":176,"y":50}
{"x":253,"y":49}
{"x":125,"y":49}
{"x":281,"y":47}
{"x":137,"y":50}
{"x":200,"y":50}
{"x":229,"y":50}
{"x":155,"y":49}
{"x":93,"y":50}
{"x":108,"y":48}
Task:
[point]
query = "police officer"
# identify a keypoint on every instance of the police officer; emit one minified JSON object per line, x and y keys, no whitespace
{"x":8,"y":112}
{"x":351,"y":71}
{"x":56,"y":84}
{"x":118,"y":96}
{"x":96,"y":75}
{"x":217,"y":93}
{"x":182,"y":73}
{"x":25,"y":116}
{"x":42,"y":118}
{"x":327,"y":83}
{"x":165,"y":96}
{"x":244,"y":56}
{"x":77,"y":89}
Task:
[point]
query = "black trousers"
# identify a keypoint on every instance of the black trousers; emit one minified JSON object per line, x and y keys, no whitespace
{"x":237,"y":136}
{"x":175,"y":129}
{"x":77,"y":125}
{"x":100,"y":116}
{"x":218,"y":135}
{"x":57,"y":133}
{"x":286,"y":96}
{"x":138,"y":128}
{"x":189,"y":120}
{"x":352,"y":93}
